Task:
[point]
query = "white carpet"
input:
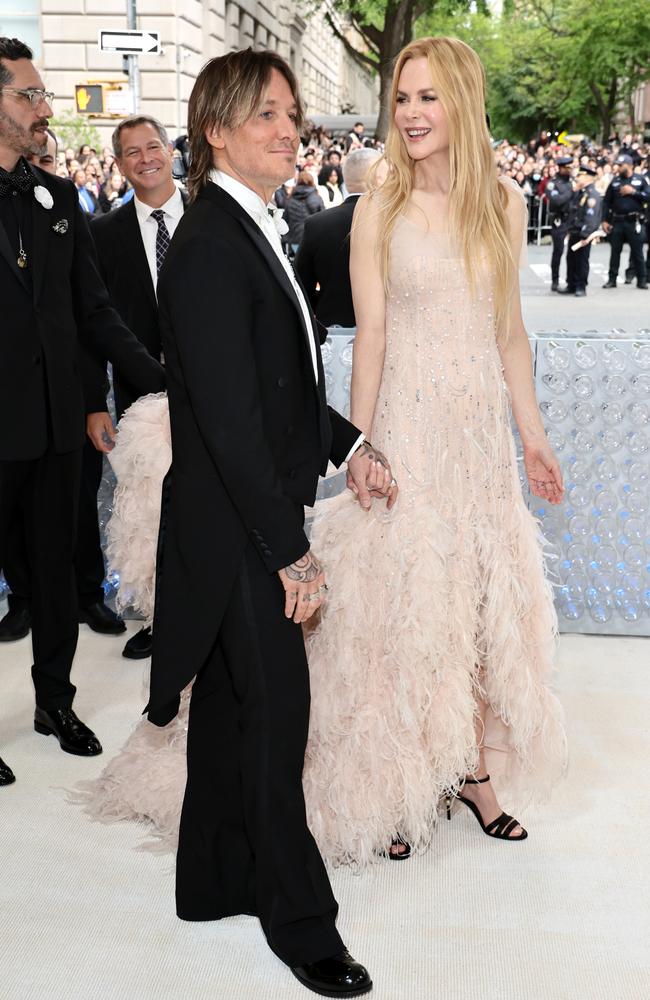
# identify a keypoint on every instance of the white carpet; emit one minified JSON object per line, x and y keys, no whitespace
{"x":562,"y":916}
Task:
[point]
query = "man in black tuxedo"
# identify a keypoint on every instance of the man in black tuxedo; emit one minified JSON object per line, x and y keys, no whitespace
{"x":131,"y":246}
{"x":323,"y":260}
{"x":89,"y":559}
{"x":52,"y":296}
{"x":251,"y":432}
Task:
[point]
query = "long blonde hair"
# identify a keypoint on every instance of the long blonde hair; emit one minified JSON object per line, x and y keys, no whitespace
{"x":477,"y":202}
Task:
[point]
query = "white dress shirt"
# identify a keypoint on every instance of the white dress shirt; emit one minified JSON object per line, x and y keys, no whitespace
{"x":173,"y":210}
{"x":258,"y":211}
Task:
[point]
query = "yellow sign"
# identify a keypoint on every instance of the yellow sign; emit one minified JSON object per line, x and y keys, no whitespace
{"x":562,"y":138}
{"x":89,"y":99}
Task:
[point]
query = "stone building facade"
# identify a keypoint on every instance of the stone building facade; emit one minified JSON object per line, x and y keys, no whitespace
{"x":64,"y":36}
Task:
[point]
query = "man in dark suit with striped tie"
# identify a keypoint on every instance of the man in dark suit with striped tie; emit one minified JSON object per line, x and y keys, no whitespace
{"x":131,"y":246}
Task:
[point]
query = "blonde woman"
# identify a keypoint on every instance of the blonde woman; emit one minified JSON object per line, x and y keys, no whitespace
{"x":430,"y":667}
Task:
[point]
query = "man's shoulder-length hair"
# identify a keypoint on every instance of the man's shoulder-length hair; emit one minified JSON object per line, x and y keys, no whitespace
{"x":227,"y":92}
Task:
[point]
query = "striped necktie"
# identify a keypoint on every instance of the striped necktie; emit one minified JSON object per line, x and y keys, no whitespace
{"x":163,"y":238}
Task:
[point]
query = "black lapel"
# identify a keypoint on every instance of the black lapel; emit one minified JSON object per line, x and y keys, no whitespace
{"x":9,"y":255}
{"x":131,"y":239}
{"x":214,"y":193}
{"x":42,"y":219}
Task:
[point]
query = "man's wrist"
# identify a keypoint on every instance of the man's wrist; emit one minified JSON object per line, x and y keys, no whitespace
{"x":355,"y":447}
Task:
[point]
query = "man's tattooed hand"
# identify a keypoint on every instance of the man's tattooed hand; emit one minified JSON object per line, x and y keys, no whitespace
{"x":373,"y":454}
{"x":305,"y":570}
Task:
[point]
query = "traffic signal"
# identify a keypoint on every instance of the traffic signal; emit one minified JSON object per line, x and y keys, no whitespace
{"x":89,"y":98}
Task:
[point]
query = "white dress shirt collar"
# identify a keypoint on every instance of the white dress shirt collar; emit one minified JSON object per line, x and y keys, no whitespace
{"x":173,"y":207}
{"x":243,"y":195}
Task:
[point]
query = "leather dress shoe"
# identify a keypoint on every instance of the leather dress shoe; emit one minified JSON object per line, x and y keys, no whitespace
{"x":339,"y":976}
{"x":101,"y":619}
{"x":139,"y":645}
{"x":580,"y":293}
{"x":7,"y":776}
{"x":609,"y":284}
{"x":72,"y":734}
{"x":567,"y":291}
{"x":555,"y":286}
{"x":644,"y":287}
{"x":16,"y":624}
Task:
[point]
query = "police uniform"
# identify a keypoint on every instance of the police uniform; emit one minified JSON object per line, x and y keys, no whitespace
{"x":626,"y":215}
{"x":559,"y":192}
{"x":585,"y":215}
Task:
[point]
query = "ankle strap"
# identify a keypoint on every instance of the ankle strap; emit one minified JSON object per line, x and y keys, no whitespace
{"x":476,"y":781}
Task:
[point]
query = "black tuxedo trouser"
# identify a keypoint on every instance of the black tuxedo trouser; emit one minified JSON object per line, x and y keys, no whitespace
{"x":88,"y":558}
{"x":44,"y":492}
{"x":244,"y":845}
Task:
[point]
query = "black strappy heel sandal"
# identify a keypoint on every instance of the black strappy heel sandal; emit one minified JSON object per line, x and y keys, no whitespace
{"x":400,"y":842}
{"x":501,"y":827}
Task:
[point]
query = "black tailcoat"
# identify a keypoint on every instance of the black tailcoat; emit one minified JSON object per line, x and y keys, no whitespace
{"x":251,"y":430}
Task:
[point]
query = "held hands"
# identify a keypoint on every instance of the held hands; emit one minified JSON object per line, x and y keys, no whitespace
{"x":304,"y":587}
{"x":543,"y":471}
{"x":99,"y":428}
{"x":369,"y":475}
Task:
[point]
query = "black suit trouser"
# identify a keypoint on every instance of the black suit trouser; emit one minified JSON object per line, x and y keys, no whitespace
{"x":244,"y":845}
{"x":44,"y":494}
{"x":577,"y":264}
{"x":625,"y":231}
{"x":88,"y":558}
{"x":558,"y":236}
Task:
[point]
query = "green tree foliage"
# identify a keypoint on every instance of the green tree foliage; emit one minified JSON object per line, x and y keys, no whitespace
{"x":73,"y":130}
{"x":384,"y":27}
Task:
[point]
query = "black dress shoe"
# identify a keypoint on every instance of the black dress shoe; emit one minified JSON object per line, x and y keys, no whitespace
{"x":15,"y":624}
{"x":101,"y":619}
{"x":609,"y":284}
{"x":339,"y":976}
{"x":72,"y":734}
{"x":580,"y":293}
{"x":139,"y":645}
{"x":7,"y":776}
{"x":567,"y":291}
{"x":643,"y":286}
{"x":555,"y":287}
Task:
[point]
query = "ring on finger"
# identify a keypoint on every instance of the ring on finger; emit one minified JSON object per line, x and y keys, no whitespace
{"x":393,"y":482}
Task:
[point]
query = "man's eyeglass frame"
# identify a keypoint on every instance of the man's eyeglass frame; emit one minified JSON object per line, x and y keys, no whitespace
{"x":33,"y":94}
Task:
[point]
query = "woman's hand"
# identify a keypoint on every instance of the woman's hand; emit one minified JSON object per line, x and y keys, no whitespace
{"x":543,"y":471}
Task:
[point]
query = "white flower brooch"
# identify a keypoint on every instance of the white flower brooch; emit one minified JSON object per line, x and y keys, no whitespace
{"x":43,"y":196}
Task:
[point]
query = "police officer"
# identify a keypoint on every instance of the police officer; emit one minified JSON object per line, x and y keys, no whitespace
{"x":585,"y":214}
{"x":624,"y":211}
{"x":644,"y":169}
{"x":559,"y":192}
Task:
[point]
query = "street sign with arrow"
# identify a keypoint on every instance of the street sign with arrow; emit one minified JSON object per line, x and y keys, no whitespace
{"x":129,"y":42}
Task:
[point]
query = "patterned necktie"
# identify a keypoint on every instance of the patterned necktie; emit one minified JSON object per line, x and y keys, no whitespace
{"x":21,"y":180}
{"x":163,"y":239}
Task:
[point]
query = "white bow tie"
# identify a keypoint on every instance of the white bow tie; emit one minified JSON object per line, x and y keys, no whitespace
{"x":275,"y":215}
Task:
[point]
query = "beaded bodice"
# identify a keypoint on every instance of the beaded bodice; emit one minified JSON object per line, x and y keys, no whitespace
{"x":443,"y":405}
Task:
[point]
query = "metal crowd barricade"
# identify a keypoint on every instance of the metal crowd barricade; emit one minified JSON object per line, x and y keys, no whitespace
{"x":539,"y":224}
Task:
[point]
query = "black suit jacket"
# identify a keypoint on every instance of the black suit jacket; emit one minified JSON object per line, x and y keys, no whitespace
{"x":42,"y":324}
{"x":324,"y":259}
{"x":125,"y":270}
{"x":251,"y":430}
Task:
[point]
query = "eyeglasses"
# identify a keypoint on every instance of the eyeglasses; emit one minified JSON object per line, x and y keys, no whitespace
{"x":32,"y":94}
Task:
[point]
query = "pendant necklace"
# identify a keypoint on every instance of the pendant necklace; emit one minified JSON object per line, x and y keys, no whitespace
{"x":21,"y":259}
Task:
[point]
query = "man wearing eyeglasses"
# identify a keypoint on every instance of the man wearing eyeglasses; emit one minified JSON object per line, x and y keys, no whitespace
{"x":52,"y":298}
